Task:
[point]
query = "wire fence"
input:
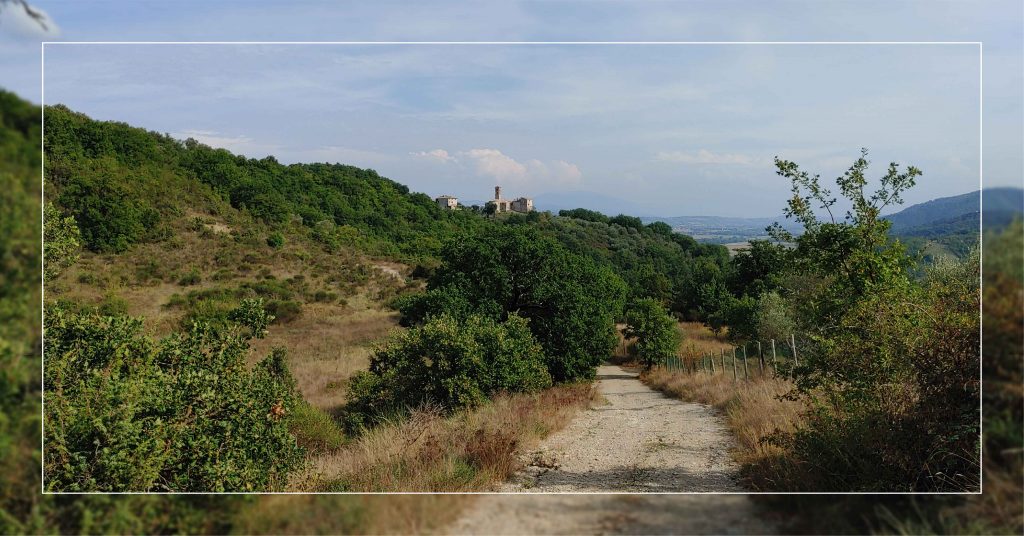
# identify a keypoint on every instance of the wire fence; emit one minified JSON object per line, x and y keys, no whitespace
{"x":749,"y":360}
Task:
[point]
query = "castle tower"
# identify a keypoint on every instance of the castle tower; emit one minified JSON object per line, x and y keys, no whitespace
{"x":497,"y":192}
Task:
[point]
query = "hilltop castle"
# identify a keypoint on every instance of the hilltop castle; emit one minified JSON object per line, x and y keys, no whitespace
{"x":520,"y":204}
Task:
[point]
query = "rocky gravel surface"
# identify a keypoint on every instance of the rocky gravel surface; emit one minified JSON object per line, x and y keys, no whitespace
{"x":639,"y":441}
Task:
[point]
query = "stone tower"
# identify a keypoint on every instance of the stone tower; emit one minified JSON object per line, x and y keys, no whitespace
{"x":497,"y":192}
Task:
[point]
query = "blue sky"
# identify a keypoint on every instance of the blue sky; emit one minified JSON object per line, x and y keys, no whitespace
{"x":676,"y":130}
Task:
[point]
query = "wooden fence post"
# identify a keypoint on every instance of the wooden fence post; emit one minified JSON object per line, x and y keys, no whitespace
{"x":760,"y":358}
{"x":774,"y":366}
{"x":734,"y":374}
{"x":746,"y":375}
{"x":723,"y":361}
{"x":711,"y":358}
{"x":792,"y":344}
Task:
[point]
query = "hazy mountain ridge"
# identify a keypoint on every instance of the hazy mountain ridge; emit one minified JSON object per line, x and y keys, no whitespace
{"x":947,"y":209}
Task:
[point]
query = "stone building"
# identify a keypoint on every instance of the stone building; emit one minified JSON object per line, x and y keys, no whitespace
{"x":447,"y":202}
{"x":519,"y":204}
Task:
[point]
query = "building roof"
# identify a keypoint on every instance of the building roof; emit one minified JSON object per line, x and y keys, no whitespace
{"x":446,"y":197}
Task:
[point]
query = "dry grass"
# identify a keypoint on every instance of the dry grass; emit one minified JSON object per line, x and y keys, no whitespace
{"x":349,"y":514}
{"x":472,"y":450}
{"x":326,"y":345}
{"x":698,"y":340}
{"x":753,"y":410}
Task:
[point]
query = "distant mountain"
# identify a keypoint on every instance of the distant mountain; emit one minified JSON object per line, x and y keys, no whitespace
{"x":952,"y":222}
{"x":998,"y":203}
{"x":611,"y":206}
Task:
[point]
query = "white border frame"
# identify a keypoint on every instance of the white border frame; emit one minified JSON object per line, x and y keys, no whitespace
{"x":981,"y":153}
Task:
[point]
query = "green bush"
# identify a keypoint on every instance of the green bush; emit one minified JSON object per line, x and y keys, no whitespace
{"x":113,"y":305}
{"x":126,"y":413}
{"x":284,"y":311}
{"x":447,"y":363}
{"x":570,"y":301}
{"x":315,"y":430}
{"x":656,"y":333}
{"x":275,"y":240}
{"x":191,"y":278}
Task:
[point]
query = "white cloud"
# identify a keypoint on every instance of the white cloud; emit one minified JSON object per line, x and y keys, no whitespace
{"x":495,"y":164}
{"x":704,"y":156}
{"x":439,"y":155}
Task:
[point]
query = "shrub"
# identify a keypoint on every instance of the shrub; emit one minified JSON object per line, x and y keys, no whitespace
{"x":656,"y":332}
{"x":772,"y":317}
{"x":275,"y":240}
{"x":315,"y":430}
{"x":284,"y":311}
{"x":61,"y":241}
{"x":125,"y":413}
{"x":113,"y":305}
{"x":191,"y":278}
{"x":446,"y":363}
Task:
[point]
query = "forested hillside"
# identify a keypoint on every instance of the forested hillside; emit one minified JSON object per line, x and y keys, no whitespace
{"x":951,"y":224}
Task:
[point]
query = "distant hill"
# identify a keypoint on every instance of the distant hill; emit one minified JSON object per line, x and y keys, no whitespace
{"x":998,"y":204}
{"x":951,"y":223}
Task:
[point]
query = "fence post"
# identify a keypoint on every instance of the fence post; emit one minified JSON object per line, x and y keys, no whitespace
{"x":760,"y":358}
{"x":734,"y":374}
{"x":774,"y":366}
{"x":746,"y":375}
{"x":711,"y":358}
{"x":792,"y":344}
{"x":723,"y":360}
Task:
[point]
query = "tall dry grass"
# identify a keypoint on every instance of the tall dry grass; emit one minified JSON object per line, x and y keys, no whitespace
{"x":754,"y":410}
{"x":472,"y":450}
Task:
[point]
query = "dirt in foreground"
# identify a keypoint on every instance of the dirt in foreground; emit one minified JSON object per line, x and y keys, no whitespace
{"x":640,"y":441}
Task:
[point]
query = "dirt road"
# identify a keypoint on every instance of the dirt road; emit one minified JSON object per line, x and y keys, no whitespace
{"x":640,"y":441}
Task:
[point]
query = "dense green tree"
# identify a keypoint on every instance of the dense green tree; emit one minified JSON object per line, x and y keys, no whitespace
{"x":571,"y":302}
{"x":584,"y":214}
{"x":656,"y":333}
{"x":772,"y":318}
{"x":757,"y":269}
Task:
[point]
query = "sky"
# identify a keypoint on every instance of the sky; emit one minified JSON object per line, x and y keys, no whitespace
{"x":669,"y":129}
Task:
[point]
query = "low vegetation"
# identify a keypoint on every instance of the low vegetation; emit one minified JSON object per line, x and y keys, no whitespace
{"x":434,"y":450}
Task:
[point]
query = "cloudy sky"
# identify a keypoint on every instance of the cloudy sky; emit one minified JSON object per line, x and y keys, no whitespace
{"x":672,"y":129}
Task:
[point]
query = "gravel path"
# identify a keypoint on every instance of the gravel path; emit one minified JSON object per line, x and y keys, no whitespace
{"x":640,"y":441}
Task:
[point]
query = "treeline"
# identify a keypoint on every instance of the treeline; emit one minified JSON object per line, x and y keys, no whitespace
{"x":124,"y":185}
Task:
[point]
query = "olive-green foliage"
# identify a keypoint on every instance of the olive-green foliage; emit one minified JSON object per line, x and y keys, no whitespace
{"x":23,"y":509}
{"x":656,"y":332}
{"x":772,"y":319}
{"x":275,"y":240}
{"x":448,"y":363}
{"x":126,"y":413}
{"x":123,"y":185}
{"x":20,"y":501}
{"x":314,"y":429}
{"x":571,"y":302}
{"x":61,"y":241}
{"x":653,"y":261}
{"x":888,"y":363}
